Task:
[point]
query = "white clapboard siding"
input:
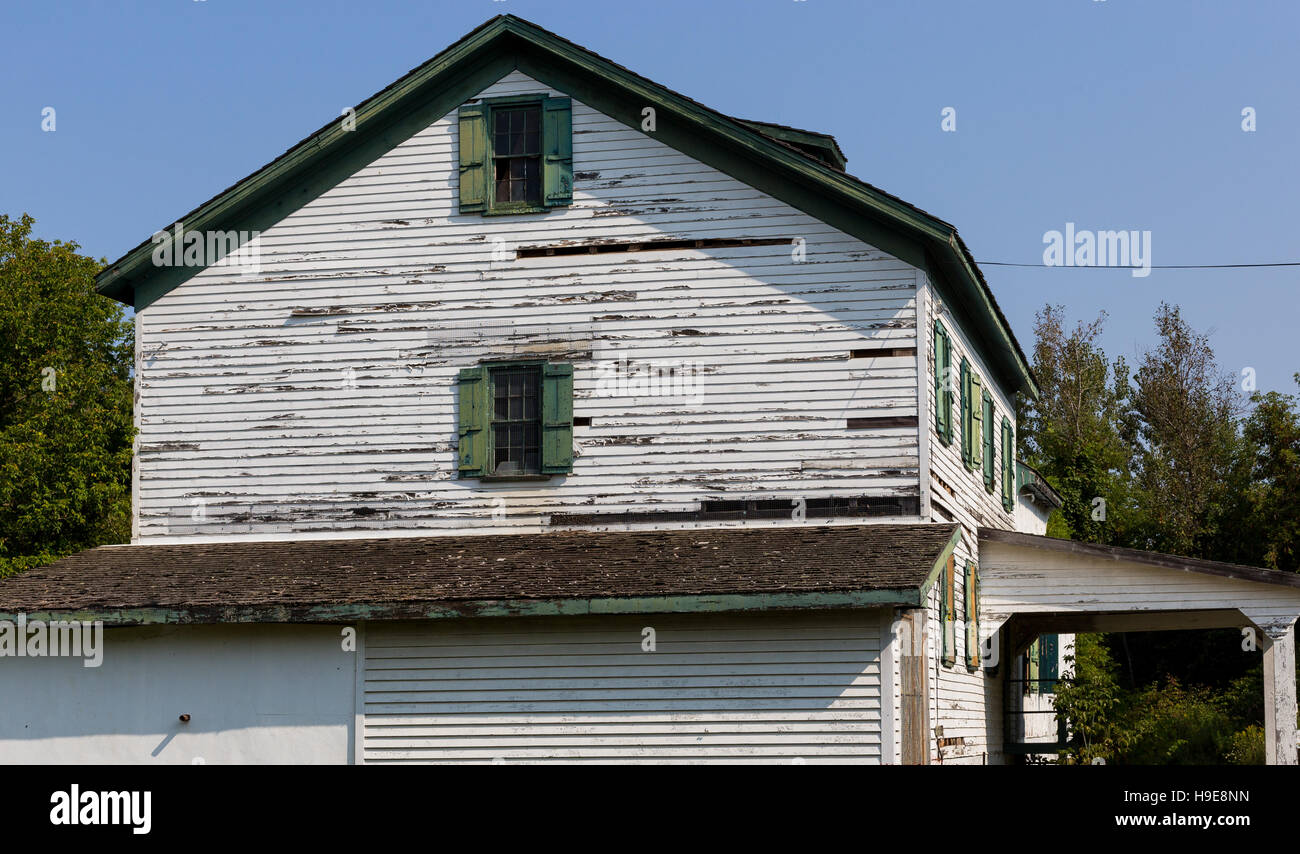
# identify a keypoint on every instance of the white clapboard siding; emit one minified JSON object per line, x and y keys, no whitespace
{"x":961,"y":492}
{"x":717,"y":688}
{"x":966,"y":703}
{"x":317,"y":396}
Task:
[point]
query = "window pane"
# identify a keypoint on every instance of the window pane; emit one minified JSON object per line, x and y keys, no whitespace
{"x":516,"y":424}
{"x":502,"y":182}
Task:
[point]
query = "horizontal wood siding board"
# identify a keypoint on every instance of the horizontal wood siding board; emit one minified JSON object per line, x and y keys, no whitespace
{"x":763,"y":688}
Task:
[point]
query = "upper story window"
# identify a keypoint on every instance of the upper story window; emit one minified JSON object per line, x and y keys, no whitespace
{"x":516,"y":420}
{"x":516,"y":155}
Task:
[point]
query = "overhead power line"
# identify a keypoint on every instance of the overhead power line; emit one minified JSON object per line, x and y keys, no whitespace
{"x":1142,"y":267}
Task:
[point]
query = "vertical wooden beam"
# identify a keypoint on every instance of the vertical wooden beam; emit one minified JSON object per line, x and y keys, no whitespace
{"x":1279,"y":698}
{"x":914,"y":705}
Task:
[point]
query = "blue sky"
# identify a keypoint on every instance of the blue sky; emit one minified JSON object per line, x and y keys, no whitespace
{"x":1111,"y":114}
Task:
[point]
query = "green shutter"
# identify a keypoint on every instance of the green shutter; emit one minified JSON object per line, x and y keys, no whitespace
{"x":947,"y":613}
{"x":1032,"y":656}
{"x":557,"y":419}
{"x":1049,"y":661}
{"x":972,"y":584}
{"x":976,"y":421}
{"x":473,"y":386}
{"x":942,"y":383}
{"x":557,"y":156}
{"x":473,"y":159}
{"x":967,"y":407}
{"x":1008,"y":467}
{"x":990,"y":473}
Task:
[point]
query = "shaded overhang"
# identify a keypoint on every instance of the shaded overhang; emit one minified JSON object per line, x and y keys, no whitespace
{"x":1062,"y":585}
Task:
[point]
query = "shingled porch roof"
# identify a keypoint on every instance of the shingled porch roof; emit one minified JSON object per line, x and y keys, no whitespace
{"x":570,"y":572}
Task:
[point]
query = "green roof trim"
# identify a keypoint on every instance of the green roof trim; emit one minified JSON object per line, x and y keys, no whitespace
{"x":1029,"y":480}
{"x":754,"y":153}
{"x":939,"y":564}
{"x":819,"y":145}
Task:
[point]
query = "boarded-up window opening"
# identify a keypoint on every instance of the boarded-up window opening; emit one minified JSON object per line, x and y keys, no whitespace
{"x":649,"y":246}
{"x":914,"y":705}
{"x":882,"y":353}
{"x":882,"y":421}
{"x":947,"y":615}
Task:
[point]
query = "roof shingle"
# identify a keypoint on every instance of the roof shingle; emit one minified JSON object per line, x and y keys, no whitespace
{"x":410,"y":576}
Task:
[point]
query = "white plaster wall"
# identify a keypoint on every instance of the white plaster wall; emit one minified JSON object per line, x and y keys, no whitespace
{"x":254,"y":693}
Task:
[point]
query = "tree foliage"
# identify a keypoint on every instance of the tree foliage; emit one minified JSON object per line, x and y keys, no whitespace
{"x":1182,"y":464}
{"x":65,"y":403}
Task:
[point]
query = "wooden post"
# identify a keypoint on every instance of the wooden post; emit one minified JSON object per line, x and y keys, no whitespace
{"x":914,"y":706}
{"x":1279,"y":698}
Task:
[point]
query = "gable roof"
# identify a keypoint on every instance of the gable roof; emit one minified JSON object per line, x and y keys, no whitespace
{"x":564,"y":572}
{"x":772,"y":158}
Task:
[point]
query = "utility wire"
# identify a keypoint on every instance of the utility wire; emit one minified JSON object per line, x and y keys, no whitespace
{"x":1140,"y":267}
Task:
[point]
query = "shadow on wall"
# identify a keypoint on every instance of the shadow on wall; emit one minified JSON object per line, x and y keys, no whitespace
{"x":253,"y":694}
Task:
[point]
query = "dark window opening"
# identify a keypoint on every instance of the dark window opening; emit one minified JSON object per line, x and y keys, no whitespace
{"x":516,"y":420}
{"x":882,"y":353}
{"x":517,"y":154}
{"x":609,"y":246}
{"x":775,"y":508}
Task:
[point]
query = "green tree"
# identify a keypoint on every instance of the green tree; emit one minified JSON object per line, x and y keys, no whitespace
{"x":1070,"y":434}
{"x":1269,"y":533}
{"x":1181,"y":472}
{"x":65,"y":403}
{"x":1187,"y":456}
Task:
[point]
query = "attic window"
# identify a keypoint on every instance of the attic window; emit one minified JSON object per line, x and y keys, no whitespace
{"x":516,"y":155}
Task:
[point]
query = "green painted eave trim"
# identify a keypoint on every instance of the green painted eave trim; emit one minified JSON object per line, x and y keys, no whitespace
{"x":822,"y":142}
{"x":506,"y":42}
{"x":1027,"y":477}
{"x":347,"y":613}
{"x":939,"y":563}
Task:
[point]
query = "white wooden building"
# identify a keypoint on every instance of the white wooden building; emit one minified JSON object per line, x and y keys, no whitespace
{"x":612,"y":429}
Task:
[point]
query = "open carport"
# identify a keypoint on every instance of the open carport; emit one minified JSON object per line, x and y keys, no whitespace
{"x":1033,"y":585}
